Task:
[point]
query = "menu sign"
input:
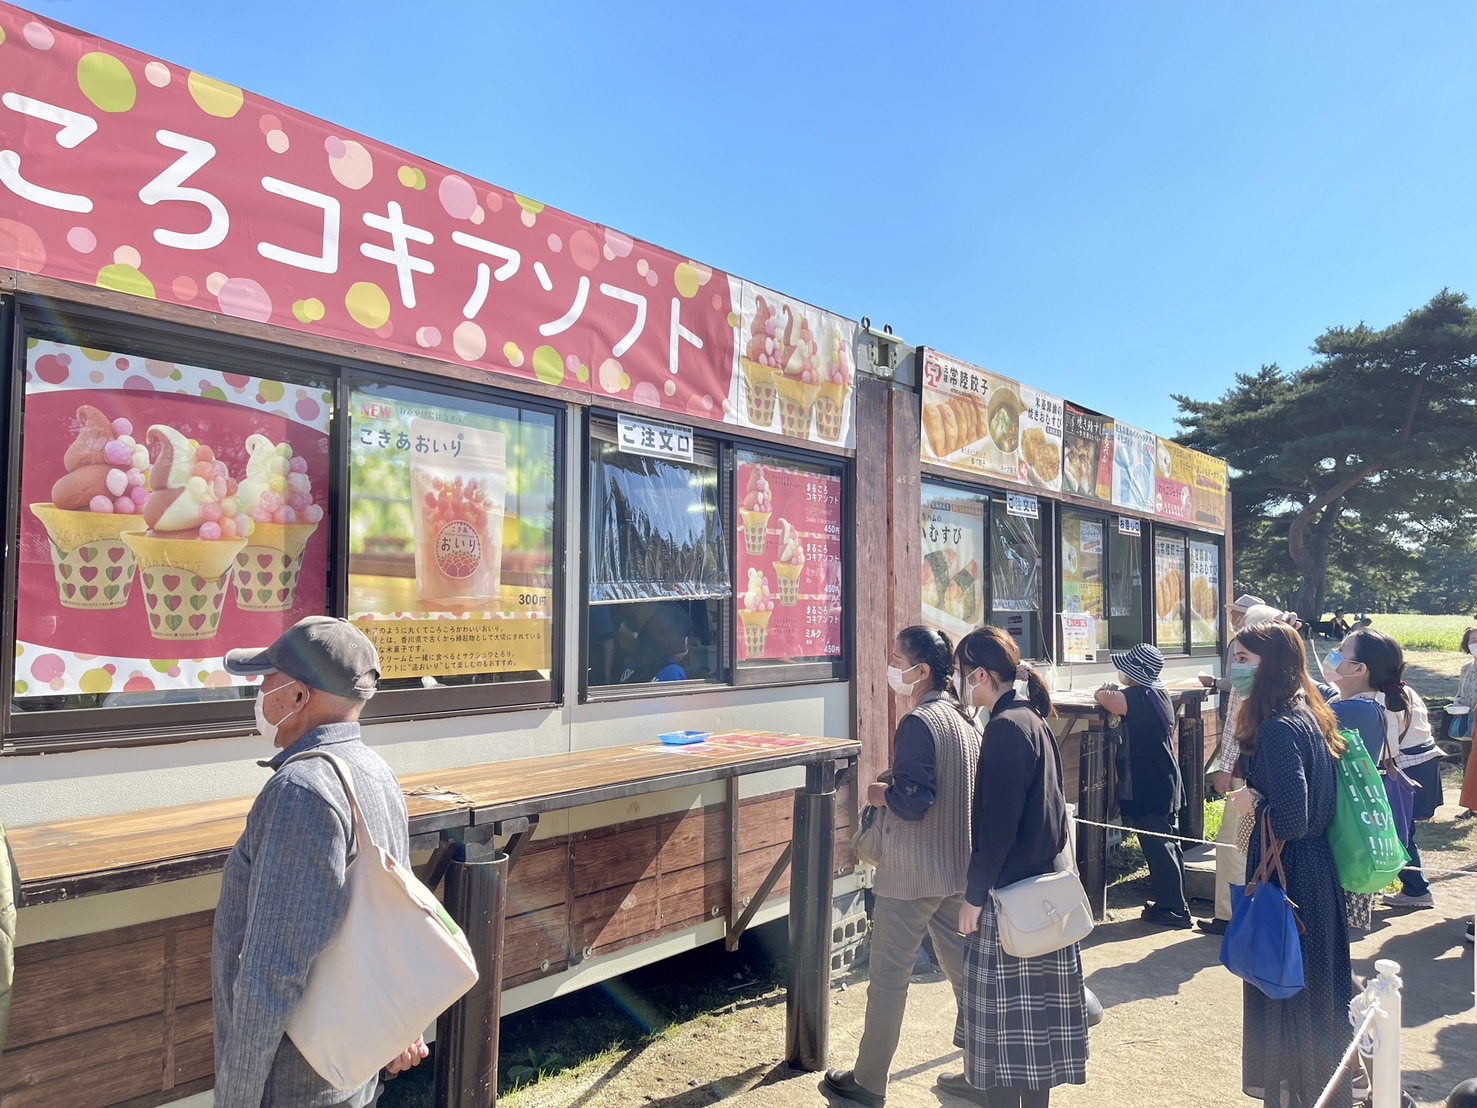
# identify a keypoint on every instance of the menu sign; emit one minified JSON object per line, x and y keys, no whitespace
{"x":954,"y":559}
{"x":1087,"y":455}
{"x":1169,"y":594}
{"x":1174,"y":480}
{"x":1210,"y":492}
{"x":1133,"y":468}
{"x":789,"y":565}
{"x":1079,"y":637}
{"x":1205,"y":594}
{"x":449,"y":572}
{"x":979,"y":422}
{"x":171,"y":513}
{"x":134,"y":175}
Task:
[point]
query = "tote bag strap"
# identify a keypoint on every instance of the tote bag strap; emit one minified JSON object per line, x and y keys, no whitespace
{"x":360,"y":827}
{"x":1271,"y":865}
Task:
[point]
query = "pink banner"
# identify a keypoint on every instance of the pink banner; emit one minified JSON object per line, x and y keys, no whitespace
{"x":121,"y":171}
{"x":789,"y":564}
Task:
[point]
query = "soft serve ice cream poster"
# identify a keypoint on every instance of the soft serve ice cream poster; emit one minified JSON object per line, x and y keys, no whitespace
{"x":169,"y":513}
{"x":789,"y":563}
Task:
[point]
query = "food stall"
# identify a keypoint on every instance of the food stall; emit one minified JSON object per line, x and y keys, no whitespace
{"x":1079,"y":534}
{"x":582,"y":491}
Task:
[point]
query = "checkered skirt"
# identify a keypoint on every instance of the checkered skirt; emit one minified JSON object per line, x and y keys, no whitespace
{"x":1023,"y":1021}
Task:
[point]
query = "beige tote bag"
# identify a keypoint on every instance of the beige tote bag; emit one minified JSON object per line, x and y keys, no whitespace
{"x":396,"y":962}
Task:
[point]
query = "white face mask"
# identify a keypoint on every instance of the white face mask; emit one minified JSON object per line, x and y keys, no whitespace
{"x":267,"y":728}
{"x":1472,"y":648}
{"x":899,"y":686}
{"x":974,"y":683}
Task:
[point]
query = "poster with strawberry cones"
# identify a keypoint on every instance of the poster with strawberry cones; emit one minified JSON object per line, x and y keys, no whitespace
{"x":796,"y":375}
{"x":171,"y":513}
{"x":789,"y":562}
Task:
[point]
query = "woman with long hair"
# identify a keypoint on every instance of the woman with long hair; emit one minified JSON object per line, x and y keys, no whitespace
{"x":919,"y":887}
{"x":1023,"y":1021}
{"x":1418,"y":759}
{"x":1290,"y":742}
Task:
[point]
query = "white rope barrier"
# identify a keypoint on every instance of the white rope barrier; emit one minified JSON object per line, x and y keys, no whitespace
{"x":1354,"y":1048}
{"x":1465,"y":871}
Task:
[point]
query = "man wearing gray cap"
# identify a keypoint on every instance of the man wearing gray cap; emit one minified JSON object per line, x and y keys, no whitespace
{"x":283,"y":891}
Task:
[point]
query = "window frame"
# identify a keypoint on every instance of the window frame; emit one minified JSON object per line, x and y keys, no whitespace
{"x":74,"y":729}
{"x":1208,"y":538}
{"x":733,"y":674}
{"x":1162,"y":532}
{"x":1092,"y":515}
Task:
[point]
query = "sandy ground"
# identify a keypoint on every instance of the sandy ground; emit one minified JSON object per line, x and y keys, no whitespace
{"x":1171,"y":1037}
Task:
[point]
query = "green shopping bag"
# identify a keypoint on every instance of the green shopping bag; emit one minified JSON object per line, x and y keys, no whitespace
{"x":1365,"y":841}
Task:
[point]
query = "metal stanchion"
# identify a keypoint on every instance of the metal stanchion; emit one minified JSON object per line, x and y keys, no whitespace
{"x":467,"y":1033}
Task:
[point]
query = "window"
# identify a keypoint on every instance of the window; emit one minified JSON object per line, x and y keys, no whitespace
{"x":1015,"y":577}
{"x":1084,"y":570}
{"x":1170,"y":591}
{"x":451,"y":536}
{"x":955,"y":559}
{"x":1125,"y":589}
{"x":1205,"y":595}
{"x":789,"y":562}
{"x":658,"y":565}
{"x":172,"y":509}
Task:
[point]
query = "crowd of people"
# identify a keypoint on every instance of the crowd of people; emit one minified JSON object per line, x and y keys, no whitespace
{"x":975,"y":803}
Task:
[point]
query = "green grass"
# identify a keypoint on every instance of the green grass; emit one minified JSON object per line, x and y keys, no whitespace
{"x":1422,"y":632}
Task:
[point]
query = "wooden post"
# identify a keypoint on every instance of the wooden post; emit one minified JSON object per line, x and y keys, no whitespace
{"x":467,"y":1033}
{"x":1092,"y":804}
{"x":1192,"y":768}
{"x":807,"y":1000}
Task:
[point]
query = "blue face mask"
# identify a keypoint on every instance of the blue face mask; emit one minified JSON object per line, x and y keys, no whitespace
{"x":1243,"y":675}
{"x":1332,"y":662}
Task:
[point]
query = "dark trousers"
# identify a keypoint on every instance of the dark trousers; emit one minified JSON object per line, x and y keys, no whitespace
{"x":1166,"y":860}
{"x":1412,"y":881}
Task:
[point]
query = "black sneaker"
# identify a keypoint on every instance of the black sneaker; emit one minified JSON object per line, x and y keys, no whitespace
{"x":959,"y":1085}
{"x":841,"y":1083}
{"x":1215,"y":926}
{"x":1162,"y":917}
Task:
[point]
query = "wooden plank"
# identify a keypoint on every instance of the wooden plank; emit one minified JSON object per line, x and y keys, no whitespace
{"x":102,"y":986}
{"x":754,"y":867}
{"x":77,"y":857}
{"x":688,"y":907}
{"x":121,"y":1062}
{"x":696,"y":836}
{"x":194,"y":1043}
{"x":766,"y":821}
{"x":602,"y":919}
{"x":612,"y":859}
{"x":192,"y":966}
{"x":540,"y":879}
{"x":531,"y":939}
{"x":873,"y":548}
{"x":904,"y":565}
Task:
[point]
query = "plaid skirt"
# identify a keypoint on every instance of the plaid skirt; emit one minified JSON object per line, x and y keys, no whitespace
{"x":1023,"y":1021}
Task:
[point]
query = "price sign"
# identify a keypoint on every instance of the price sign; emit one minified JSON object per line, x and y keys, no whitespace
{"x":1079,"y":637}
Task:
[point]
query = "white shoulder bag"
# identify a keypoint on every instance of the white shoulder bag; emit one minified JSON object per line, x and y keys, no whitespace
{"x":396,"y":962}
{"x":1045,"y":913}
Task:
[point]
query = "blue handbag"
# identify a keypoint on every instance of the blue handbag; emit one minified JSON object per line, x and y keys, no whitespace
{"x":1261,"y":944}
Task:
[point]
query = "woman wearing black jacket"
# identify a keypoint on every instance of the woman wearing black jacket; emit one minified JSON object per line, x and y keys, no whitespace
{"x":1023,"y":1021}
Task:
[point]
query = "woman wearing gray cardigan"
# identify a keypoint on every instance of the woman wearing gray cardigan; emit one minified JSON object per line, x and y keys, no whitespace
{"x":924,"y":866}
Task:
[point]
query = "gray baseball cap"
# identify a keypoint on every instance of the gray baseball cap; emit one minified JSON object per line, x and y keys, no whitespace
{"x":322,"y":652}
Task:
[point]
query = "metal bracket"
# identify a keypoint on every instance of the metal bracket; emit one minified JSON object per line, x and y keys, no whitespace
{"x":737,"y":928}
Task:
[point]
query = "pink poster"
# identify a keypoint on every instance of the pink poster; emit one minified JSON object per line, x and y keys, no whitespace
{"x":170,"y":513}
{"x":789,"y":564}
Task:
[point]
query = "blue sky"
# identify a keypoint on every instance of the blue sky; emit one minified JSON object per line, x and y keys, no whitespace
{"x":1112,"y":201}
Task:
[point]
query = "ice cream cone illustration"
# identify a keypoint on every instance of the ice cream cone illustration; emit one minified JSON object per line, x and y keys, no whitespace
{"x":759,"y":361}
{"x":184,"y":582}
{"x":755,"y":510}
{"x":799,"y":379}
{"x":277,"y":495}
{"x":93,"y":567}
{"x":92,"y":505}
{"x":195,"y":532}
{"x":756,"y":612}
{"x":790,"y":565}
{"x":836,"y":383}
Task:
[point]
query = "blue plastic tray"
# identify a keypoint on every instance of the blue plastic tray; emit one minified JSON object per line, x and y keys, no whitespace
{"x":685,"y":738}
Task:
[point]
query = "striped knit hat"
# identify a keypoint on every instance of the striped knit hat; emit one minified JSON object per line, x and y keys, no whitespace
{"x":1142,"y":664}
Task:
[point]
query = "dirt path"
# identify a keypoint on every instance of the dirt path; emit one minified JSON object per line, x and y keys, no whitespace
{"x":1171,"y":1039}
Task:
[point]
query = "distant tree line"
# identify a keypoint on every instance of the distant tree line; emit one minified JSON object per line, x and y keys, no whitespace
{"x":1354,"y":480}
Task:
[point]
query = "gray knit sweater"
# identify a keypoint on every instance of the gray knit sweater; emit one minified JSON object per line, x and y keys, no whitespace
{"x":930,"y":857}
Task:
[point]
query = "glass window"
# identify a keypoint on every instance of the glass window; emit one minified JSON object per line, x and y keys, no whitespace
{"x":1125,"y":590}
{"x":1170,"y":590}
{"x":1084,"y":570}
{"x":1015,"y":578}
{"x":658,"y":565}
{"x":955,"y":559}
{"x":1205,"y":595}
{"x":789,"y":561}
{"x":451,"y":536}
{"x":171,"y":512}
